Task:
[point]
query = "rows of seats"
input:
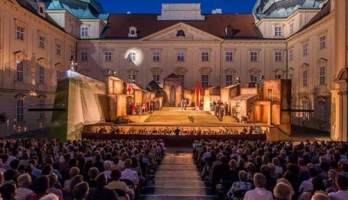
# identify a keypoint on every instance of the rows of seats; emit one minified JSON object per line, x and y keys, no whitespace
{"x":85,"y":169}
{"x":254,"y":170}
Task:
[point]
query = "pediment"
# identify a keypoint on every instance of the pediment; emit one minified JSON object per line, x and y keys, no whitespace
{"x":181,"y":32}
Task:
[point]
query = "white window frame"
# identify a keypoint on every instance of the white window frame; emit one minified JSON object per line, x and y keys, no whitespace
{"x":228,"y":56}
{"x":156,"y":57}
{"x":84,"y":31}
{"x":228,"y":79}
{"x":205,"y":56}
{"x":20,"y":30}
{"x":322,"y":75}
{"x":253,"y":56}
{"x":180,"y":56}
{"x":278,"y":30}
{"x":278,"y":56}
{"x":205,"y":80}
{"x":19,"y":71}
{"x":107,"y":56}
{"x":132,"y":57}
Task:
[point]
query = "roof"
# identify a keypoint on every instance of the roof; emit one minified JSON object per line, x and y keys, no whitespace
{"x":241,"y":25}
{"x":320,"y":15}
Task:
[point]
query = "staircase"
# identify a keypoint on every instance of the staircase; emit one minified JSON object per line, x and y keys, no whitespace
{"x":177,"y":179}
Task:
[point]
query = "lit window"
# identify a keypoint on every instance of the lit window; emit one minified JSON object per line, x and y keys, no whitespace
{"x":277,"y":31}
{"x":323,"y":42}
{"x":19,"y":33}
{"x":205,"y":80}
{"x":84,"y":31}
{"x":84,"y":56}
{"x":278,"y":56}
{"x":229,"y":80}
{"x":132,"y":77}
{"x":20,"y":109}
{"x":181,"y":56}
{"x":20,"y":71}
{"x":42,"y":41}
{"x":58,"y":49}
{"x":107,"y":56}
{"x":305,"y":78}
{"x":156,"y":77}
{"x":305,"y":50}
{"x":205,"y":56}
{"x":322,"y":75}
{"x":41,"y":75}
{"x":253,"y":56}
{"x":228,"y":56}
{"x":131,"y":57}
{"x":156,"y":56}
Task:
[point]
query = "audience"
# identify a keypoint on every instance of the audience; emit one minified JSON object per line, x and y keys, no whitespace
{"x":34,"y":169}
{"x":293,"y":171}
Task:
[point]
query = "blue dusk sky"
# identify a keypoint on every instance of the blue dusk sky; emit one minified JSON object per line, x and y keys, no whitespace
{"x":154,"y":6}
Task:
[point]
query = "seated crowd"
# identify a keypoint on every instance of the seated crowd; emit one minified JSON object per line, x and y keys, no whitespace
{"x":259,"y":170}
{"x":168,"y":131}
{"x":86,"y":169}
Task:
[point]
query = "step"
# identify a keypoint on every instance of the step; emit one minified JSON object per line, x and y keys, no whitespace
{"x":173,"y":183}
{"x":172,"y":191}
{"x":177,"y":174}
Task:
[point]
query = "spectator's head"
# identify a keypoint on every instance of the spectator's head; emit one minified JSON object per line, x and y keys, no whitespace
{"x":305,"y":196}
{"x":107,"y":165}
{"x":74,"y":171}
{"x":283,"y":191}
{"x":7,"y":191}
{"x":24,"y":180}
{"x":53,"y":180}
{"x":41,"y":185}
{"x":342,"y":182}
{"x":93,"y":173}
{"x":259,"y":180}
{"x":115,"y":174}
{"x":128,"y":163}
{"x":320,"y":196}
{"x":75,"y":180}
{"x":243,"y":175}
{"x":80,"y":191}
{"x":49,"y":197}
{"x":101,"y":180}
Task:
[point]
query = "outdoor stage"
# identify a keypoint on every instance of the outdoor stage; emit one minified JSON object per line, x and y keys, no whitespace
{"x":205,"y":125}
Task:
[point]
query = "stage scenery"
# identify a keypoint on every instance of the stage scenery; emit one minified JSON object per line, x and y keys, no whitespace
{"x":173,"y":100}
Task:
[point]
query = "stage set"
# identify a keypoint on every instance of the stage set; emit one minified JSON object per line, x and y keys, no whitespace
{"x":116,"y":108}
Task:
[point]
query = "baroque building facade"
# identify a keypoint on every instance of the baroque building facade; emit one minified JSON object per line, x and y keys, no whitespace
{"x":302,"y":40}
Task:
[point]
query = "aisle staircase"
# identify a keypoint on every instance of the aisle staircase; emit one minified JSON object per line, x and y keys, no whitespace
{"x":177,"y":179}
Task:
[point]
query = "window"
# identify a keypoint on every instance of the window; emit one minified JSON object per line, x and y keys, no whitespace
{"x":253,"y":78}
{"x":132,"y":32}
{"x":322,"y":75}
{"x":84,"y":31}
{"x":19,"y":32}
{"x":305,"y":50}
{"x":107,"y":56}
{"x":156,"y":77}
{"x":205,"y":80}
{"x":132,"y":77}
{"x":156,"y":56}
{"x":291,"y":55}
{"x":228,"y":56}
{"x":205,"y":56}
{"x":278,"y":31}
{"x":41,"y":75}
{"x":84,"y":56}
{"x":181,"y":56}
{"x":253,"y":56}
{"x":131,"y":57}
{"x":323,"y":42}
{"x":42,"y":41}
{"x":291,"y":28}
{"x":20,"y":71}
{"x":58,"y":49}
{"x":20,"y":109}
{"x":305,"y":78}
{"x":229,"y":79}
{"x":278,"y":56}
{"x":180,"y":33}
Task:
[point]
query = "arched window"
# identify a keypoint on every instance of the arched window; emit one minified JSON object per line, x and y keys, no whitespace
{"x":180,"y":33}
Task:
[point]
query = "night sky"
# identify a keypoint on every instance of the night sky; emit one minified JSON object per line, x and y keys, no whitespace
{"x":154,"y":6}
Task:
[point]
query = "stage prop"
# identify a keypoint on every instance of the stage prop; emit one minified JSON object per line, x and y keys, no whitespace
{"x":84,"y":102}
{"x":174,"y":91}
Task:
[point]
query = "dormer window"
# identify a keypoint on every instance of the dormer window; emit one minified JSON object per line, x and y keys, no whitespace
{"x":132,"y":32}
{"x":41,"y":9}
{"x":180,"y":33}
{"x":84,"y":31}
{"x":278,"y":31}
